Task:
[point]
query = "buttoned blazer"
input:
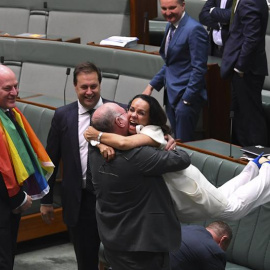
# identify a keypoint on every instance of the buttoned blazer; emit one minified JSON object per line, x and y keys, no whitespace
{"x":134,"y":207}
{"x":63,"y":144}
{"x":185,"y":63}
{"x":245,"y":46}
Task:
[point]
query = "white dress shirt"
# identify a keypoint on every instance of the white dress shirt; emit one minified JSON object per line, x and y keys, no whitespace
{"x":217,"y":33}
{"x":83,"y":124}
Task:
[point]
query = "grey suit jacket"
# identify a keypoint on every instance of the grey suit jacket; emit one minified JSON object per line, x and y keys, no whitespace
{"x":134,"y":207}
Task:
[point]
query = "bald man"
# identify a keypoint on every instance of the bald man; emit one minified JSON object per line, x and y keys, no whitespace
{"x":137,"y":224}
{"x":13,"y":200}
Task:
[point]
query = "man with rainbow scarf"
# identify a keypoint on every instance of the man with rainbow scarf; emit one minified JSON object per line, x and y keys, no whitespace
{"x":24,"y":167}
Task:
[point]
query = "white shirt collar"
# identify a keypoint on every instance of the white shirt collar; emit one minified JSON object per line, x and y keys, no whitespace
{"x":177,"y":23}
{"x":83,"y":110}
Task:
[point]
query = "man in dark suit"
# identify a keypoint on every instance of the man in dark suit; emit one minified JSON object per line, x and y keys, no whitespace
{"x":185,"y":51}
{"x":244,"y":61}
{"x":216,"y":16}
{"x":202,"y":248}
{"x":66,"y":142}
{"x":136,"y":220}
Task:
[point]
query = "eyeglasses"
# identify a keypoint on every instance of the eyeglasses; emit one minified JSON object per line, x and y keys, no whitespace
{"x":121,"y":114}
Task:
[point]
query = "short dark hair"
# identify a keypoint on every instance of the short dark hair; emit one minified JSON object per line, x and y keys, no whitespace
{"x":157,"y":115}
{"x":221,"y":228}
{"x":86,"y":67}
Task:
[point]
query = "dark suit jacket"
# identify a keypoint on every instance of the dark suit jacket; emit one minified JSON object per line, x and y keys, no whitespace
{"x":245,"y":46}
{"x":63,"y":143}
{"x":216,"y":17}
{"x":198,"y":251}
{"x":134,"y":207}
{"x":186,"y":62}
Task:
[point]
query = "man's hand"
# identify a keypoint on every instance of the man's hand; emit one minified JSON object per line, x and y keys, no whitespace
{"x":91,"y":134}
{"x":106,"y":151}
{"x":171,"y":144}
{"x":47,"y":213}
{"x":148,"y":90}
{"x":23,"y":207}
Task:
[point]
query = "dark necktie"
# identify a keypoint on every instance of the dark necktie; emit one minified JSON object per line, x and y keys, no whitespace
{"x":89,"y":185}
{"x":171,"y":33}
{"x":232,"y":11}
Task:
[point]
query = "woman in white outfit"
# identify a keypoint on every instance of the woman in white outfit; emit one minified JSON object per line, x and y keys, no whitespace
{"x":194,"y":196}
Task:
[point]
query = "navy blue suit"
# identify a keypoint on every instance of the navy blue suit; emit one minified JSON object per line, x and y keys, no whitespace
{"x":245,"y":51}
{"x":218,"y":19}
{"x":183,"y":76}
{"x":198,"y":251}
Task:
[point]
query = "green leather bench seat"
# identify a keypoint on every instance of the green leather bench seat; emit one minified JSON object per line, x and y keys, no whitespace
{"x":68,"y":18}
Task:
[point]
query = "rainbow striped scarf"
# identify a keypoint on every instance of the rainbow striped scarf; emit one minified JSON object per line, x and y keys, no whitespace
{"x":23,"y":158}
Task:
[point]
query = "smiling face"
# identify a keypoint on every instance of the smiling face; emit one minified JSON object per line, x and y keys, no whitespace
{"x":138,"y":114}
{"x":172,"y":10}
{"x":88,"y":89}
{"x":8,"y":88}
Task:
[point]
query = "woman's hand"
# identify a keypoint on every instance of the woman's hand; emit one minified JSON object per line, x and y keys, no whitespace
{"x":171,"y":144}
{"x":106,"y":151}
{"x":91,"y":134}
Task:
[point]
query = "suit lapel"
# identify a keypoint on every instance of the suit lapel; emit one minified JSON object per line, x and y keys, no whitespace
{"x":72,"y":123}
{"x":162,"y":46}
{"x":178,"y":31}
{"x":228,"y":3}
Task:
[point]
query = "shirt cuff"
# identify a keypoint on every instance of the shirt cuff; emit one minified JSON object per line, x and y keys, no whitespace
{"x":238,"y":71}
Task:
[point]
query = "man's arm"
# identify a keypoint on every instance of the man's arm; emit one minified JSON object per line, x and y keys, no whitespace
{"x":158,"y":81}
{"x":198,"y":45}
{"x":250,"y":18}
{"x":151,"y":161}
{"x":53,"y":150}
{"x":222,"y":15}
{"x":205,"y":16}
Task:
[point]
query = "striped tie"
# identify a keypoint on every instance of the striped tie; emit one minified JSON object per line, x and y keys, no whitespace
{"x":171,"y":33}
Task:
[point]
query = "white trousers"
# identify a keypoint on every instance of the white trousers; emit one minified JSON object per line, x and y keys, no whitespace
{"x":195,"y":198}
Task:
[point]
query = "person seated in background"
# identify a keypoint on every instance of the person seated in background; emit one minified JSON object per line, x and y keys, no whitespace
{"x":195,"y":197}
{"x":216,"y":16}
{"x":202,"y":248}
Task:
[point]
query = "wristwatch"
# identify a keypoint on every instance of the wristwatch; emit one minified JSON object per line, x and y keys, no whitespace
{"x":99,"y":136}
{"x":97,"y":142}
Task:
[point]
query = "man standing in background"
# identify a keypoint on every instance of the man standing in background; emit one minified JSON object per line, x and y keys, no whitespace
{"x":66,"y":142}
{"x":185,"y":52}
{"x":244,"y":61}
{"x":216,"y":16}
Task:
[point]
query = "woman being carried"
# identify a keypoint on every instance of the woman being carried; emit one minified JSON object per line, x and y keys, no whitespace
{"x":194,"y":196}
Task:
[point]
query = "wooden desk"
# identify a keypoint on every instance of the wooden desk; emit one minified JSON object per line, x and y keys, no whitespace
{"x":216,"y":148}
